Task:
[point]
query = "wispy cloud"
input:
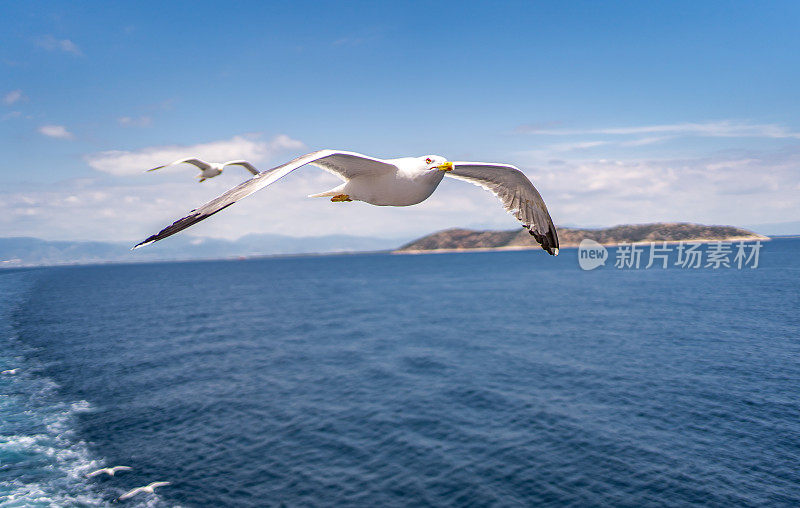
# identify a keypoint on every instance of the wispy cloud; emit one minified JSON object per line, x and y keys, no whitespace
{"x":722,"y":129}
{"x":55,"y":131}
{"x":51,"y":43}
{"x":559,"y":149}
{"x":578,"y":145}
{"x":249,"y":147}
{"x":650,"y":140}
{"x":139,"y":121}
{"x":13,"y":97}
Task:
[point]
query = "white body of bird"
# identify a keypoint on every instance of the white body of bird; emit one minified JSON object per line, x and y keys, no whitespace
{"x":412,"y":183}
{"x":210,"y":169}
{"x":110,"y":471}
{"x":150,"y":489}
{"x":211,"y":172}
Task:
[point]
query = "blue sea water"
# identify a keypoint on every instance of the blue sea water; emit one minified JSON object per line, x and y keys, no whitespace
{"x":474,"y":379}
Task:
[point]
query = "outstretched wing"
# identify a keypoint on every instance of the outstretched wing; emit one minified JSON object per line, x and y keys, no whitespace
{"x":245,"y":164}
{"x":194,"y":162}
{"x":518,"y":195}
{"x":95,"y":473}
{"x":345,"y":165}
{"x":348,"y":165}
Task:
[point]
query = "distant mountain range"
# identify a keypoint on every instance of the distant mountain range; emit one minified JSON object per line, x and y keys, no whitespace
{"x":23,"y":251}
{"x":464,"y":239}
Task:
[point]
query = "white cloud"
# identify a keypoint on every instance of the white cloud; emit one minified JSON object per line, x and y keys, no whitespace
{"x":51,"y":43}
{"x":725,"y":188}
{"x":558,"y":149}
{"x":55,"y":131}
{"x":645,"y":141}
{"x":129,"y":121}
{"x":13,"y":96}
{"x":723,"y":129}
{"x":577,"y":145}
{"x":248,"y":147}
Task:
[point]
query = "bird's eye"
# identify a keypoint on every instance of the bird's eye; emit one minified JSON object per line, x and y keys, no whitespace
{"x":428,"y":160}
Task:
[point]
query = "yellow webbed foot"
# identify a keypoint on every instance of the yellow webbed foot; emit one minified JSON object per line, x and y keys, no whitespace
{"x":340,"y":197}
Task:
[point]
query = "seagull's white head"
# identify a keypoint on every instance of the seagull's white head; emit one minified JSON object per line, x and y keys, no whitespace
{"x":437,"y":162}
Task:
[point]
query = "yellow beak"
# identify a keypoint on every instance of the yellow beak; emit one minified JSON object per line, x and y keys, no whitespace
{"x":447,"y":166}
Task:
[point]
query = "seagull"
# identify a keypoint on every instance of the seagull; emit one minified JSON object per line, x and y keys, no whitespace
{"x":209,"y":169}
{"x":395,"y":182}
{"x":10,"y":372}
{"x":110,"y":471}
{"x":147,"y":488}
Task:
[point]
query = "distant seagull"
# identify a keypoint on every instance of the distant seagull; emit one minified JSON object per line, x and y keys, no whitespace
{"x":10,"y":372}
{"x":147,"y":488}
{"x":210,"y":169}
{"x":395,"y":182}
{"x":110,"y":471}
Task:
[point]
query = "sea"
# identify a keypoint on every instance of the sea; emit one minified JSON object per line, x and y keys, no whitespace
{"x":462,"y":379}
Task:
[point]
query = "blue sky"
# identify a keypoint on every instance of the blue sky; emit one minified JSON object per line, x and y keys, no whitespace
{"x":619,"y":111}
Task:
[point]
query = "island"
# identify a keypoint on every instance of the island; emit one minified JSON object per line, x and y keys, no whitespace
{"x":451,"y":240}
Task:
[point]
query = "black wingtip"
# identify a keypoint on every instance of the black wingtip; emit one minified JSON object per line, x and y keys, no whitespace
{"x":144,"y":243}
{"x":548,"y":241}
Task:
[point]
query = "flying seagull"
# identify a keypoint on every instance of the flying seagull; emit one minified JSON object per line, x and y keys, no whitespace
{"x":110,"y":471}
{"x":395,"y":182}
{"x":209,"y":169}
{"x":147,"y":488}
